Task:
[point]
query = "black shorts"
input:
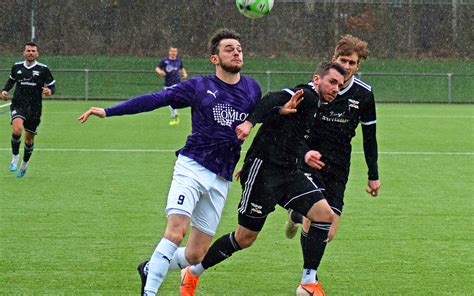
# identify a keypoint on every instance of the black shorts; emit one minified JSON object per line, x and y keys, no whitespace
{"x":265,"y":185}
{"x":31,"y":120}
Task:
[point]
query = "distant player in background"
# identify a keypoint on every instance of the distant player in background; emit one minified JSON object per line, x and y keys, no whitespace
{"x":32,"y":79}
{"x":170,"y":68}
{"x":335,"y":127}
{"x":204,"y":168}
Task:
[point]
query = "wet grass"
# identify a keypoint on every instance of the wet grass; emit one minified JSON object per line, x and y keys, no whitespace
{"x":91,"y":207}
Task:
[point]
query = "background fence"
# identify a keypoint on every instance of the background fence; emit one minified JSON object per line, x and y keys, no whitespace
{"x":88,"y":84}
{"x":393,"y":28}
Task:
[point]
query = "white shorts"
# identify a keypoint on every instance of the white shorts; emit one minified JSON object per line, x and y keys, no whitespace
{"x":197,"y":193}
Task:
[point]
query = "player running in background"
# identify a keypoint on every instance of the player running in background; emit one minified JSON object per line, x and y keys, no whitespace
{"x":170,"y":68}
{"x":203,"y":171}
{"x":335,"y":127}
{"x":271,"y":174}
{"x":32,"y":79}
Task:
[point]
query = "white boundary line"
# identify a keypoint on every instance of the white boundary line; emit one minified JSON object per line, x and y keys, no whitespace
{"x":5,"y":105}
{"x":174,"y":150}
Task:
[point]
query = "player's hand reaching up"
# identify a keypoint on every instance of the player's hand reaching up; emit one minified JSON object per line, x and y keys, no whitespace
{"x":290,"y":106}
{"x":99,"y":112}
{"x":313,"y":159}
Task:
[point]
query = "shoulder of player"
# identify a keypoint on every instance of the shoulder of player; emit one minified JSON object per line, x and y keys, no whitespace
{"x":362,"y":85}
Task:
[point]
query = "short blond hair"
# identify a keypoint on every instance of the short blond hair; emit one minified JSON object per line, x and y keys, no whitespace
{"x":349,"y":44}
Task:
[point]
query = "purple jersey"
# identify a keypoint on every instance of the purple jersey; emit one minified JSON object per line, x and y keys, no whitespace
{"x":216,"y":109}
{"x":172,"y":68}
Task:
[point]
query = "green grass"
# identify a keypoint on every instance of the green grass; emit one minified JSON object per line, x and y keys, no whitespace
{"x":123,"y":84}
{"x":92,"y":206}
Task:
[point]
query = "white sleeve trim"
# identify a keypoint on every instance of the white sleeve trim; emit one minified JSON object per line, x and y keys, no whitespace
{"x":368,"y":123}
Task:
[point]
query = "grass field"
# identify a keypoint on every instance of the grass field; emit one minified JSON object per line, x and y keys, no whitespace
{"x":92,"y":206}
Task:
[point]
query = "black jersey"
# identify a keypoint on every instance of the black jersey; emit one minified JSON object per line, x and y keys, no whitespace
{"x":282,"y":139}
{"x":335,"y":127}
{"x":29,"y":83}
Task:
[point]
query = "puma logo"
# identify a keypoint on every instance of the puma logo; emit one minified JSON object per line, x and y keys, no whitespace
{"x":212,"y":93}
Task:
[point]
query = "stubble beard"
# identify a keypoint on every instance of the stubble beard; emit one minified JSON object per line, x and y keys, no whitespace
{"x":231,"y":69}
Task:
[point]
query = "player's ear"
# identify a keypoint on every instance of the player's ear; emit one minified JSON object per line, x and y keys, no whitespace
{"x":214,"y":59}
{"x":316,"y":79}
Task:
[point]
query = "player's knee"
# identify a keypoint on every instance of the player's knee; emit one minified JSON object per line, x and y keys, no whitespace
{"x":322,"y":214}
{"x":16,"y":129}
{"x":245,"y":238}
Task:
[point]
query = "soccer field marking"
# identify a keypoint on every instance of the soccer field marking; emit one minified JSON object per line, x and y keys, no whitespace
{"x":243,"y":151}
{"x":427,"y":116}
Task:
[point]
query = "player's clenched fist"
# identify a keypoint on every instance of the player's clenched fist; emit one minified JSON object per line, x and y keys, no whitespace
{"x":4,"y":95}
{"x":313,"y":159}
{"x":99,"y":112}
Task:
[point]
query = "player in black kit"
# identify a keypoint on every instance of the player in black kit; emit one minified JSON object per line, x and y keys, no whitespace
{"x":335,"y":127}
{"x":32,"y":80}
{"x":271,"y":174}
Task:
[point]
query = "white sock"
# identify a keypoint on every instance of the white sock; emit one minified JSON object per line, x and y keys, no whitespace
{"x":174,"y":112}
{"x":179,"y":259}
{"x":15,"y":157}
{"x":159,"y":264}
{"x":309,"y":276}
{"x":196,"y":269}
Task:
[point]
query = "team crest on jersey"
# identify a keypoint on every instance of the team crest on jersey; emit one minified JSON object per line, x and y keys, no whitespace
{"x":354,"y":104}
{"x":18,"y":72}
{"x":36,"y":73}
{"x":226,"y":115}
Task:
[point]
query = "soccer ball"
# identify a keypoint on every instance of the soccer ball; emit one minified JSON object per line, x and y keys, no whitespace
{"x":254,"y":8}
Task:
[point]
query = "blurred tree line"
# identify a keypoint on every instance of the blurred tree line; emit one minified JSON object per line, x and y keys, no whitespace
{"x":393,"y":28}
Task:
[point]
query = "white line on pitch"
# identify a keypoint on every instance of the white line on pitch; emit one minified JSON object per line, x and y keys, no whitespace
{"x":173,"y":150}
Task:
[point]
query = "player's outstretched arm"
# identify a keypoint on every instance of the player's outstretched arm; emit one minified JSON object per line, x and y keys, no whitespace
{"x":99,"y":112}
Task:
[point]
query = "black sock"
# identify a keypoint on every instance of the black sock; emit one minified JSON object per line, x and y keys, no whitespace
{"x":316,"y":242}
{"x":16,"y":141}
{"x":28,"y":151}
{"x":296,"y":217}
{"x":303,"y":237}
{"x":220,"y":250}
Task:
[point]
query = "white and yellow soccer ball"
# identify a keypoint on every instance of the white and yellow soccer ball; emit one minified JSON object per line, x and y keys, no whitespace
{"x":254,"y":8}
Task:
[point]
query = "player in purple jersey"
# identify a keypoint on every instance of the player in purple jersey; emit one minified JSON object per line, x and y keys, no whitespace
{"x":203,"y":171}
{"x":171,"y":68}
